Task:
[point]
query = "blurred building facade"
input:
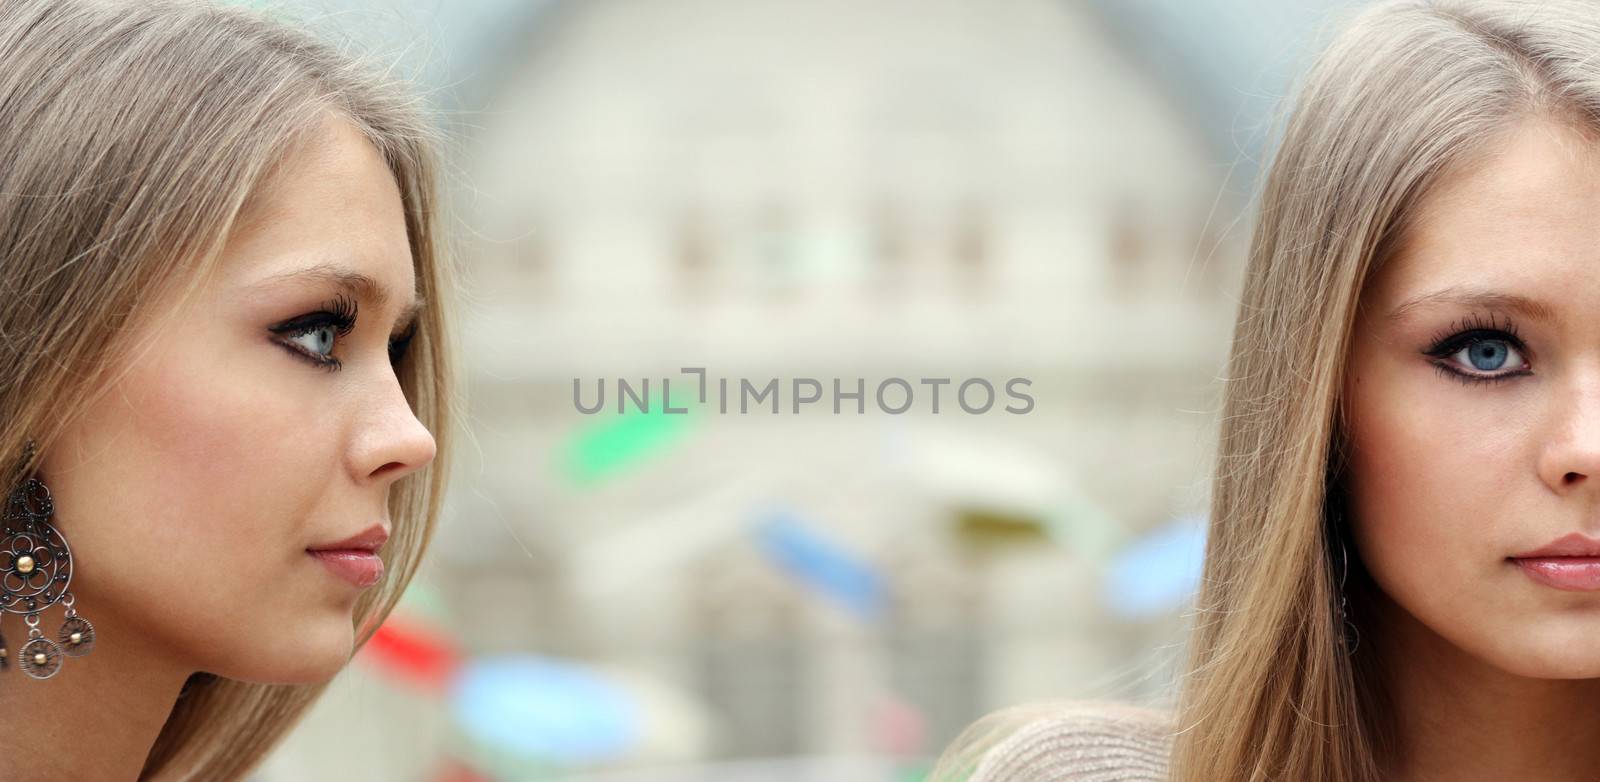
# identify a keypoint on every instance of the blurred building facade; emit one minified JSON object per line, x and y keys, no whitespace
{"x":842,"y":190}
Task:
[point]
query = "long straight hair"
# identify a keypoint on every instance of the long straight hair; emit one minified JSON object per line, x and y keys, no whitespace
{"x":133,"y":136}
{"x":1407,"y":93}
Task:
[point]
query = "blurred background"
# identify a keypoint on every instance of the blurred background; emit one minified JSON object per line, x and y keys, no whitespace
{"x":1052,"y":190}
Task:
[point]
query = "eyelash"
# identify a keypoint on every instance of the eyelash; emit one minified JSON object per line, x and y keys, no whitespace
{"x":1470,"y":332}
{"x":341,"y":315}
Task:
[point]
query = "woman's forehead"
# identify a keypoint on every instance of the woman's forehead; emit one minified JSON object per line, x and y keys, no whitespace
{"x":1519,"y":220}
{"x":335,"y":202}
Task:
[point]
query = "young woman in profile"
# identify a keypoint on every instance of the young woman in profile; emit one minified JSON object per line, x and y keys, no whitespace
{"x":226,"y":380}
{"x":1402,"y":577}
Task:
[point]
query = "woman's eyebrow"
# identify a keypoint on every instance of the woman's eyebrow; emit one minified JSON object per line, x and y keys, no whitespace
{"x":1486,"y":298}
{"x":350,"y":281}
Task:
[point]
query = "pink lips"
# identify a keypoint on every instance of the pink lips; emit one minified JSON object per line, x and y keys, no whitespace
{"x":1571,"y":563}
{"x":355,"y":559}
{"x":361,"y":568}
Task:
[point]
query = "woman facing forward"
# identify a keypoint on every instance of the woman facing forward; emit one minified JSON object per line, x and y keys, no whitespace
{"x":1402,"y":576}
{"x":220,"y":387}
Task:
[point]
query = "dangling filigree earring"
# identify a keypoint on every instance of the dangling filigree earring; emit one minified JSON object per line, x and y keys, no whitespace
{"x":35,"y":571}
{"x":1347,"y":627}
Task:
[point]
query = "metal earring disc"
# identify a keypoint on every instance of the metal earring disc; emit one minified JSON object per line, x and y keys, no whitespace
{"x":39,"y":658}
{"x":35,"y":560}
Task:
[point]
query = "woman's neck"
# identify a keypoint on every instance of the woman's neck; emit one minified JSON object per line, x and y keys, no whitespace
{"x":1458,"y":717}
{"x":97,"y":718}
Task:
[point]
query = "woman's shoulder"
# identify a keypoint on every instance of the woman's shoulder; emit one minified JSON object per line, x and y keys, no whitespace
{"x":1079,"y":741}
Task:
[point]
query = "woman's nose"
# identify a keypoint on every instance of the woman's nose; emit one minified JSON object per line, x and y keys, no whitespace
{"x":1571,"y":458}
{"x":393,"y":442}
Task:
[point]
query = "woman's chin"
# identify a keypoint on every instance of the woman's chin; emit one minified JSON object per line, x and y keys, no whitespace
{"x":313,"y":653}
{"x":1556,"y":649}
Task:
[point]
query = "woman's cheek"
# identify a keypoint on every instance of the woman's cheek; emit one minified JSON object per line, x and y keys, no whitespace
{"x":1433,"y":478}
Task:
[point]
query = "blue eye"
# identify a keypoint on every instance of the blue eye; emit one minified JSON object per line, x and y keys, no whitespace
{"x":1467,"y":355}
{"x":322,"y":339}
{"x":1488,"y":355}
{"x":1476,"y":345}
{"x":325,"y":328}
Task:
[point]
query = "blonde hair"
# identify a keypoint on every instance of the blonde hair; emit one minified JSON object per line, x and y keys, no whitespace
{"x":1409,"y":92}
{"x":135,"y":135}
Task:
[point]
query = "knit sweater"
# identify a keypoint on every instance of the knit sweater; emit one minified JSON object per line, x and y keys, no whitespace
{"x":1086,"y":742}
